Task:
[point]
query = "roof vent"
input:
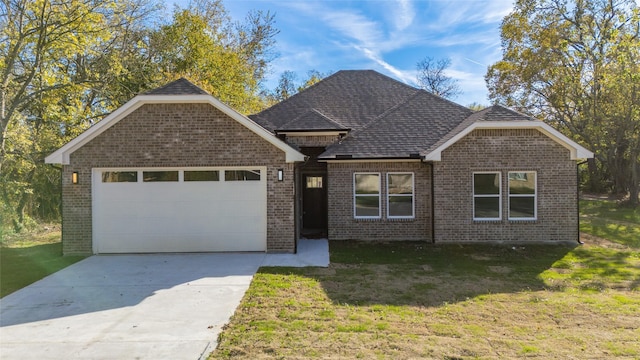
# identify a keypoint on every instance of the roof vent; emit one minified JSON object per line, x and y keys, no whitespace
{"x":342,"y":156}
{"x":414,"y":156}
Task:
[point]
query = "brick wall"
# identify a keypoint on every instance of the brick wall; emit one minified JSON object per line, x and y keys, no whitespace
{"x":343,"y":226}
{"x":177,"y":135}
{"x":505,"y":150}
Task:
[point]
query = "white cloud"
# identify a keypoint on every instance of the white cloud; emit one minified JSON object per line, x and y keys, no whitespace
{"x":405,"y":14}
{"x":401,"y":75}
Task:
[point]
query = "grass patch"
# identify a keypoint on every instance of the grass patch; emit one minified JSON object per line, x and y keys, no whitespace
{"x":28,"y":257}
{"x":412,"y":300}
{"x":607,"y":220}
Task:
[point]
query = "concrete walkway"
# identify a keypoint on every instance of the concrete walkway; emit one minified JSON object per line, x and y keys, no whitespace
{"x":136,"y":306}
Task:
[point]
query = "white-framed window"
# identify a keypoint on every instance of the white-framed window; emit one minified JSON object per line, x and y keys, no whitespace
{"x":523,"y":195}
{"x":366,"y":195}
{"x":487,"y":191}
{"x":400,"y":203}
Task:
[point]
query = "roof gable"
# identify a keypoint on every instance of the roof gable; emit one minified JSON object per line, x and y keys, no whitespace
{"x":312,"y":120}
{"x":181,"y":86}
{"x":62,"y":155}
{"x":499,"y":117}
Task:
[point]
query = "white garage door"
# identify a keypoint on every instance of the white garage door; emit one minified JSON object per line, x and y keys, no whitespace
{"x":179,"y":210}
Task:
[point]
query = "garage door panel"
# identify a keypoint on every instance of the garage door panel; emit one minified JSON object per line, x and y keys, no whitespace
{"x":179,"y":216}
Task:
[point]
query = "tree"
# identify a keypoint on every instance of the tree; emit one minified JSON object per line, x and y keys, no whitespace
{"x":313,"y":77}
{"x":64,"y":65}
{"x":576,"y":65}
{"x":288,"y":84}
{"x":432,"y":77}
{"x":49,"y":87}
{"x":476,"y":106}
{"x":227,"y":59}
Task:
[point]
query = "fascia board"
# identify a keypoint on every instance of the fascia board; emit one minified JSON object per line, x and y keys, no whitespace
{"x":577,"y":152}
{"x":62,"y":155}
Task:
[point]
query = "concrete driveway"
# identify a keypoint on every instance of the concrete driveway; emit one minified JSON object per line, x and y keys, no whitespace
{"x":135,"y":306}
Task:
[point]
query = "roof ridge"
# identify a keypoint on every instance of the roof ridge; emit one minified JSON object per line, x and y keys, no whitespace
{"x":447,"y":100}
{"x":387,"y":112}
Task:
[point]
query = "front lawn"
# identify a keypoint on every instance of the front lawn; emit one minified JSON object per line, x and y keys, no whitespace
{"x":408,"y":300}
{"x":28,"y":257}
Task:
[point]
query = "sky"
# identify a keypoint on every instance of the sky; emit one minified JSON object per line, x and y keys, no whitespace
{"x":389,"y":36}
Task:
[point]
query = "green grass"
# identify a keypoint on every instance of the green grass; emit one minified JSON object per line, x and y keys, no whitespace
{"x":29,"y":257}
{"x":415,"y":300}
{"x":607,"y":220}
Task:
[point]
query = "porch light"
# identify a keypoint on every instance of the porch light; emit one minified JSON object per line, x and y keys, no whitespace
{"x":280,"y":174}
{"x":74,"y":177}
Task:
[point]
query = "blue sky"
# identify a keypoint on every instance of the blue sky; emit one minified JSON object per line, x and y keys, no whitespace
{"x":385,"y":35}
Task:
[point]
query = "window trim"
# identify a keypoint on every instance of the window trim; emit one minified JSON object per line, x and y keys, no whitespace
{"x":474,"y":196}
{"x":379,"y":195}
{"x":413,"y":195}
{"x":534,"y":196}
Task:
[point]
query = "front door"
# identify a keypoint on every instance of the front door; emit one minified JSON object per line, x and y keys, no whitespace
{"x":314,"y":204}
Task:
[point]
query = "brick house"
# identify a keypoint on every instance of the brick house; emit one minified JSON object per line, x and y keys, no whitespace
{"x":356,"y":156}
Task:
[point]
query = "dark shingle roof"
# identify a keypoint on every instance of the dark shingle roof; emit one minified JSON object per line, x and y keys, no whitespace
{"x":181,"y":86}
{"x":312,"y":120}
{"x":350,"y":98}
{"x":491,"y":113}
{"x":408,"y":128}
{"x":499,"y":113}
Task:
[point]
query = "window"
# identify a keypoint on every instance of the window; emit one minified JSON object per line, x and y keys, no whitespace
{"x":400,"y":195}
{"x":208,"y":175}
{"x":159,"y":176}
{"x":242,"y":175}
{"x":486,"y":196}
{"x":522,"y":195}
{"x":366,"y":195}
{"x":119,"y":176}
{"x":314,"y":182}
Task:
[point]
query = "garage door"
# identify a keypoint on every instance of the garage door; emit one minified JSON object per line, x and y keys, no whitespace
{"x":179,"y":210}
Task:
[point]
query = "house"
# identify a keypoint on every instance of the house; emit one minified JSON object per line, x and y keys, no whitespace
{"x":356,"y":156}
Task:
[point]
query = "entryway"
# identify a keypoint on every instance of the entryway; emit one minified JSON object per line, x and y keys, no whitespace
{"x":314,"y":204}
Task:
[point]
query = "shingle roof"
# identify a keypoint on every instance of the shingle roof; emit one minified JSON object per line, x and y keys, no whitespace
{"x":491,"y":113}
{"x":500,"y":113}
{"x":312,"y":120}
{"x":181,"y":86}
{"x":350,"y":98}
{"x":406,"y":129}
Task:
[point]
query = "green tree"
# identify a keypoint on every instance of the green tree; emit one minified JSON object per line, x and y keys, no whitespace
{"x":288,"y":85}
{"x":50,"y":88}
{"x":64,"y":65}
{"x":313,"y":77}
{"x":575,"y":64}
{"x":227,"y":59}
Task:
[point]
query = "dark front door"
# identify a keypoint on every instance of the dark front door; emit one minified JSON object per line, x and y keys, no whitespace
{"x":314,"y":203}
